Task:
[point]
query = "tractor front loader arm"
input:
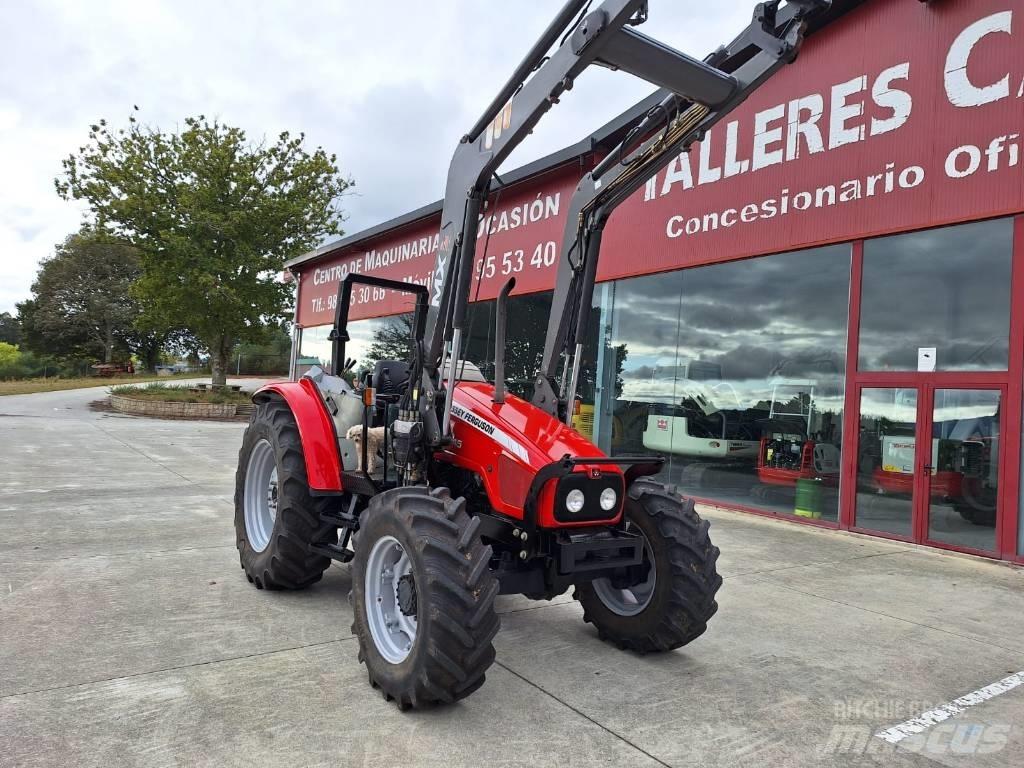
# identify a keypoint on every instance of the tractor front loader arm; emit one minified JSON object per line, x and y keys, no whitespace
{"x":683,"y":117}
{"x":577,"y":38}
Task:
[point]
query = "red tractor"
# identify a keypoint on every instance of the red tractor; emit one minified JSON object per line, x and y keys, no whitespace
{"x":478,"y":492}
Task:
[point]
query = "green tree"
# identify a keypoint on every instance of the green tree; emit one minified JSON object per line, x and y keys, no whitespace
{"x":391,"y":341}
{"x":81,"y":305}
{"x":9,"y":355}
{"x":214,"y":217}
{"x":10,"y":328}
{"x":268,"y":356}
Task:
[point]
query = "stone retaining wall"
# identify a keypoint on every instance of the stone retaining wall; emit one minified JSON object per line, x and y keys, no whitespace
{"x":173,"y":410}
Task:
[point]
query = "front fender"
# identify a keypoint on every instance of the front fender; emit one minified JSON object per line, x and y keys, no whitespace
{"x":316,"y":430}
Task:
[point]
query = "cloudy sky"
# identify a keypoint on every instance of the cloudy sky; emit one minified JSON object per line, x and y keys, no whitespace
{"x":387,"y":86}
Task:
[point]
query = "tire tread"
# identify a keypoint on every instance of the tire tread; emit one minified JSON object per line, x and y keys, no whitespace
{"x":286,"y":563}
{"x":459,"y":593}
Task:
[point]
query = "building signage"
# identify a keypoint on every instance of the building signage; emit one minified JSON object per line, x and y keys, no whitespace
{"x":899,"y":116}
{"x":519,"y":237}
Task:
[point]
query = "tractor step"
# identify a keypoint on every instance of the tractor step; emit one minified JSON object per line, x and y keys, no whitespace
{"x":332,"y":551}
{"x":340,"y":519}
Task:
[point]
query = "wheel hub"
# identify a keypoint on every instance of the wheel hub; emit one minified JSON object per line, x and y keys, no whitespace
{"x":272,"y":494}
{"x":630,"y":600}
{"x":260,"y":495}
{"x":406,"y":595}
{"x":391,"y":602}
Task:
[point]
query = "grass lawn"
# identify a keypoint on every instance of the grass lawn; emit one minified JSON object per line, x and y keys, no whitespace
{"x":55,"y":384}
{"x":162,"y":392}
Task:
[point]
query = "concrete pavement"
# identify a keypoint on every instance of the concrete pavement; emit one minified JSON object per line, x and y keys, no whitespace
{"x":130,"y":637}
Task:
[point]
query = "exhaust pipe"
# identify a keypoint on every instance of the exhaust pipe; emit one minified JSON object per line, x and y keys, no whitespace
{"x":501,"y":312}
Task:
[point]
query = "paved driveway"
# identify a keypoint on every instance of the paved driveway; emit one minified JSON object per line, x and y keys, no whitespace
{"x":129,"y":637}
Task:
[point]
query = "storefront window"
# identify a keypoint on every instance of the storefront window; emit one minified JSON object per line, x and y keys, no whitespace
{"x":315,"y":348}
{"x":943,"y":290}
{"x":735,"y":373}
{"x":526,"y":325}
{"x":629,"y":369}
{"x":370,"y":340}
{"x":389,"y":338}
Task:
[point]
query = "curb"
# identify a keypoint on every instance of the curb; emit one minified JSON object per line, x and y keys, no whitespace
{"x":163,"y":409}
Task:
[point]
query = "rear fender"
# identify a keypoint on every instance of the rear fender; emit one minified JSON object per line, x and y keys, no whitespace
{"x":316,"y":430}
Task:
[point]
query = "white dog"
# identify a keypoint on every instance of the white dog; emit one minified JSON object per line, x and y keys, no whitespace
{"x":375,"y":438}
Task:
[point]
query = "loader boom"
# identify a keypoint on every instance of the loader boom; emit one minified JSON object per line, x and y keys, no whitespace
{"x":683,"y":117}
{"x":602,"y":36}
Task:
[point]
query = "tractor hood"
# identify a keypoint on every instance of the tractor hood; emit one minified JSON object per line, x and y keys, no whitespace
{"x":523,"y":430}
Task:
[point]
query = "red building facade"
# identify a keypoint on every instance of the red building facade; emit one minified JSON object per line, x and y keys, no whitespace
{"x":817,"y":312}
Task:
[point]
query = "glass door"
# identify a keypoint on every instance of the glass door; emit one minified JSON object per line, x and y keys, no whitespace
{"x":888,"y":466}
{"x":963,"y":466}
{"x":928,"y":467}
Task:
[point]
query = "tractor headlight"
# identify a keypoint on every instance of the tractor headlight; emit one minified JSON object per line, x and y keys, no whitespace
{"x":608,"y":499}
{"x":574,"y":500}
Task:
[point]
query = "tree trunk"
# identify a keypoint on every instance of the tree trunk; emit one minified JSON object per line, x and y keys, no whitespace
{"x":151,"y":355}
{"x":218,"y":368}
{"x":220,"y":356}
{"x":108,"y":344}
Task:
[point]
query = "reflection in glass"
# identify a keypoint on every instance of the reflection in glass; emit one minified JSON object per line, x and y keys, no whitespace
{"x":965,"y":478}
{"x":369,"y":340}
{"x":734,"y":372}
{"x":315,"y":348}
{"x":945,"y":288}
{"x":527,"y":323}
{"x":886,"y":455}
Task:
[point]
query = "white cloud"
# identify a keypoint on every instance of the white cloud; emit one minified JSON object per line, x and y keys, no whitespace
{"x":389,"y":87}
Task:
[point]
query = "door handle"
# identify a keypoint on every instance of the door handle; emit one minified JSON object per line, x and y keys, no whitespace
{"x":928,"y":467}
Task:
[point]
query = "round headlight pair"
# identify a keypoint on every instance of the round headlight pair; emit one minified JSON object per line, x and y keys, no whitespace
{"x":575,"y":499}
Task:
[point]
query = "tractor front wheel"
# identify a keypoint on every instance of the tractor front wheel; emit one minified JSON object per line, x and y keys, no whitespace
{"x":672,"y":605}
{"x":423,"y":597}
{"x":276,"y":518}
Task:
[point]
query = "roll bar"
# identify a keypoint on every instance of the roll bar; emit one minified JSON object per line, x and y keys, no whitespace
{"x":339,"y":335}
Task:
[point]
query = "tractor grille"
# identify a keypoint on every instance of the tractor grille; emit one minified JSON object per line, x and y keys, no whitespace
{"x":591,"y":487}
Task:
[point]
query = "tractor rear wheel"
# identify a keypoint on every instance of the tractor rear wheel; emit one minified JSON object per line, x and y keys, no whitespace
{"x":423,"y":597}
{"x":276,"y":518}
{"x":673,"y":604}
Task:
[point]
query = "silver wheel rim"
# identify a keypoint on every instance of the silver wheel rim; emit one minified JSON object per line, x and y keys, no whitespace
{"x":632,"y":600}
{"x":261,"y":497}
{"x":393,"y":631}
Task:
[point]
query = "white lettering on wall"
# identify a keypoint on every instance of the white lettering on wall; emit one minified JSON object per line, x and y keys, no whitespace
{"x":959,"y":88}
{"x":804,"y":114}
{"x":767,"y":137}
{"x":843,"y":111}
{"x":708,"y":173}
{"x":733,"y":165}
{"x":885,"y":95}
{"x":678,"y":172}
